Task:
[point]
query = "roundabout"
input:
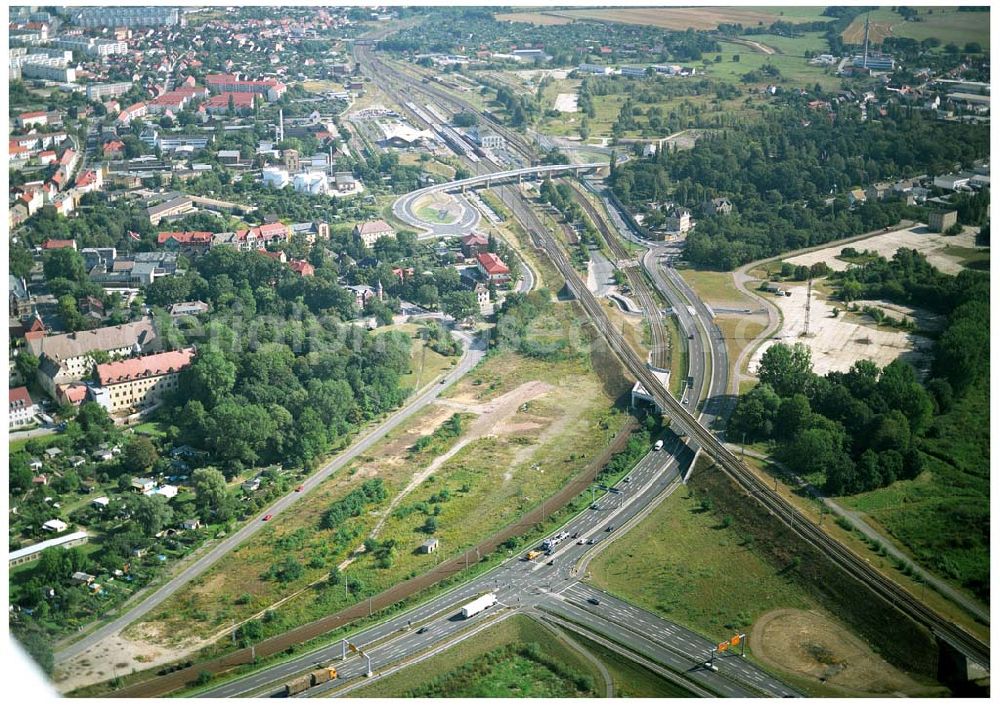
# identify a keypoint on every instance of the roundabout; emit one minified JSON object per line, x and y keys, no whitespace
{"x":435,"y":213}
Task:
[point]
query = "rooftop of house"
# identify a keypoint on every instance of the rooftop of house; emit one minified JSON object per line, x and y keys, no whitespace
{"x":373,"y":226}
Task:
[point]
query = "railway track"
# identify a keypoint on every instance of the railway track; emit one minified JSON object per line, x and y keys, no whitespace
{"x":659,"y":352}
{"x":970,"y":645}
{"x":682,"y":421}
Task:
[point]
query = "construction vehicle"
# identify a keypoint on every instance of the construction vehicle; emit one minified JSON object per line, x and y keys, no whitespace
{"x":303,"y":683}
{"x":478,"y":605}
{"x":533,"y":554}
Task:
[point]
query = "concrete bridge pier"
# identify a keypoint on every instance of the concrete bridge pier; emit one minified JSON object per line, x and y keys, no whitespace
{"x":960,"y":673}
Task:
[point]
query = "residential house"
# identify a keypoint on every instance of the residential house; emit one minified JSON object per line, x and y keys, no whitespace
{"x":192,"y":242}
{"x":717,"y":206}
{"x":372,"y":231}
{"x":473,"y":244}
{"x":56,"y":526}
{"x":492,"y":268}
{"x":878,"y":191}
{"x":142,"y":485}
{"x":856,"y":197}
{"x":188,"y":308}
{"x":22,"y":408}
{"x":679,"y":220}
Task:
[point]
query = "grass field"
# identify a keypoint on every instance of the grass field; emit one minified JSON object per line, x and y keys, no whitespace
{"x":942,"y":516}
{"x":716,"y":288}
{"x":792,"y":46}
{"x":970,"y":257}
{"x":739,"y":332}
{"x":945,"y":23}
{"x":508,"y":677}
{"x":323,"y":86}
{"x":425,"y":364}
{"x":795,"y":70}
{"x":682,"y":549}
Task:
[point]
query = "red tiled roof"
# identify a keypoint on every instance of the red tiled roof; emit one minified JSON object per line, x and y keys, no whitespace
{"x":475,"y":239}
{"x":491,"y":263}
{"x":74,"y":392}
{"x":145,"y":366}
{"x":373,"y":226}
{"x":240,"y":100}
{"x":187,"y":237}
{"x":33,"y":114}
{"x":51,"y":244}
{"x":20,"y":398}
{"x":302,"y":267}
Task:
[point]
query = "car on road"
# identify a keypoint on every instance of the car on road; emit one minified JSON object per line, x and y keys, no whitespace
{"x":300,"y":488}
{"x":576,"y":535}
{"x":593,"y":601}
{"x":581,"y":542}
{"x":550,"y":563}
{"x":590,"y":542}
{"x":267,"y":517}
{"x":611,"y":527}
{"x":594,"y":505}
{"x":421,"y":630}
{"x":658,"y":445}
{"x":627,"y":479}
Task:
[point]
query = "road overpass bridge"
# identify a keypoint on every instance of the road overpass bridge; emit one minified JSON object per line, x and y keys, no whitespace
{"x":405,"y":206}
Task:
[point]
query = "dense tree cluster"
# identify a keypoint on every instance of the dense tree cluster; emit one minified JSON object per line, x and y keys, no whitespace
{"x":857,"y":428}
{"x":861,"y":428}
{"x":778,"y":173}
{"x":280,"y":402}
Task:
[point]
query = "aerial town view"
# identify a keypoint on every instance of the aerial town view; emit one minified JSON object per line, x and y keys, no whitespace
{"x":510,"y":352}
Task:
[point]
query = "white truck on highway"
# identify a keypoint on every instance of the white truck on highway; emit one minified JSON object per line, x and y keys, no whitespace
{"x":478,"y":605}
{"x":550,"y":543}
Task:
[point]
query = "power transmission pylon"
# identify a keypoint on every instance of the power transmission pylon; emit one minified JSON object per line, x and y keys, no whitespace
{"x":809,"y":288}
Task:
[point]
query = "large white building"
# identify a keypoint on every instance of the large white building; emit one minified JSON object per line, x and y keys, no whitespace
{"x":314,"y":182}
{"x":67,"y":358}
{"x":372,"y":231}
{"x":22,"y":409}
{"x":141,"y":381}
{"x":125,"y":16}
{"x":275,"y":177}
{"x":91,"y":46}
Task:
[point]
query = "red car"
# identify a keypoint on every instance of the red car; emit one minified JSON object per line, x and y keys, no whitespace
{"x":267,"y":517}
{"x":300,"y":488}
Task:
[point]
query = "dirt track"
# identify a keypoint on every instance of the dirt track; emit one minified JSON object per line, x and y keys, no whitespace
{"x":162,"y":685}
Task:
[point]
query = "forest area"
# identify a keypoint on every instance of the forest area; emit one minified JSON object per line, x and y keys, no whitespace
{"x":780,"y":172}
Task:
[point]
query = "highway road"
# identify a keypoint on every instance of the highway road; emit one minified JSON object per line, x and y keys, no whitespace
{"x":522,"y":585}
{"x":474,"y":351}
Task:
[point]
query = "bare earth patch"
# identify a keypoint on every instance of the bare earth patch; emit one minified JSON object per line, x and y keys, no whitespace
{"x":101,"y":662}
{"x":810,"y":645}
{"x":931,"y":245}
{"x":492,"y":417}
{"x":837,"y":343}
